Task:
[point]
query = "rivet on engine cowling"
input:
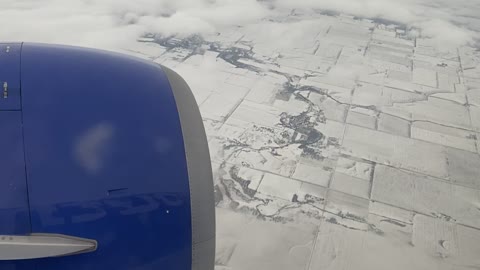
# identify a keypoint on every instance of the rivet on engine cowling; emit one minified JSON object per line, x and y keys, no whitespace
{"x":5,"y":90}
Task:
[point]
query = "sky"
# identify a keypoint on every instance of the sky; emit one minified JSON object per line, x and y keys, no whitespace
{"x":114,"y":24}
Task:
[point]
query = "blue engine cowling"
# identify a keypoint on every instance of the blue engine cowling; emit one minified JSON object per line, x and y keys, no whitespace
{"x":101,"y":147}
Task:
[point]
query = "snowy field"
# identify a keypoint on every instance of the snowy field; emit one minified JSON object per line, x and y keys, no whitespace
{"x":337,"y":141}
{"x":348,"y":146}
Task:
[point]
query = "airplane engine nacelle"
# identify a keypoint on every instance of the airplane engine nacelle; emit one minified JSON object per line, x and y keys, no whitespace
{"x":104,"y":163}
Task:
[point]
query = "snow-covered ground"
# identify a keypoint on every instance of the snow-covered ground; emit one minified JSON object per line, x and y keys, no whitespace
{"x":352,"y":145}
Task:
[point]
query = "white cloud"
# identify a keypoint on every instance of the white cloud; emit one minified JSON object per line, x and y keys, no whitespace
{"x":445,"y":34}
{"x":114,"y":24}
{"x":448,"y":22}
{"x":389,"y":9}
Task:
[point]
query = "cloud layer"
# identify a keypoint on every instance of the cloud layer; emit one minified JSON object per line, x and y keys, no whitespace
{"x":113,"y":24}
